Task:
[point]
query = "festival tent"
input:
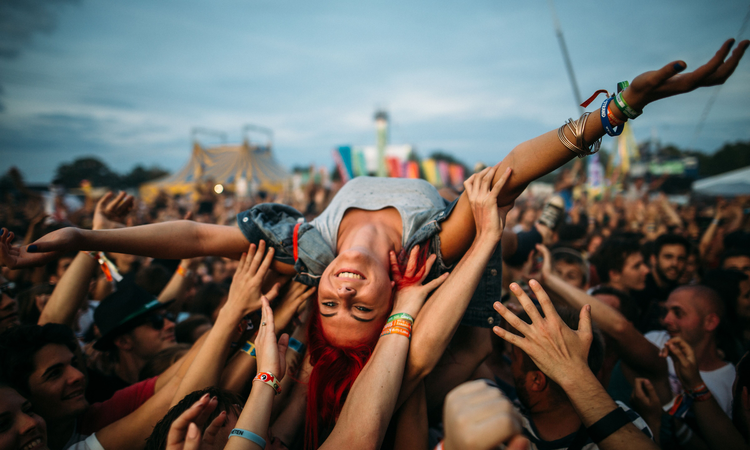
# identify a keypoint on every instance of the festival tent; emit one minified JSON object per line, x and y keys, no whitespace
{"x":736,"y":182}
{"x":228,"y":165}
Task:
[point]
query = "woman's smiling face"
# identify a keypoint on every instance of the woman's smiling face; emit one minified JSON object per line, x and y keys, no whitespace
{"x":354,"y":296}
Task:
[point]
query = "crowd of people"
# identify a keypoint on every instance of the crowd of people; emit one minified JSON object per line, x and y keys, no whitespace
{"x":382,"y":313}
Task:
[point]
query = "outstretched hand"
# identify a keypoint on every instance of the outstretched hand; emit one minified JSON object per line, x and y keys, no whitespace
{"x":270,"y":353}
{"x":111,"y":213}
{"x":409,"y":299}
{"x":42,"y":251}
{"x":489,"y":219}
{"x":185,"y":431}
{"x":668,"y":81}
{"x":559,"y":352}
{"x":245,"y":290}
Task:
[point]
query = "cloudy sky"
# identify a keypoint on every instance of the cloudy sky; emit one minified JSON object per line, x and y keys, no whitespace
{"x":126,"y":81}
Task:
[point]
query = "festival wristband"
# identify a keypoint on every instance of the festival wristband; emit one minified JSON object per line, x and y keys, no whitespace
{"x":699,"y":393}
{"x":397,"y":330}
{"x":296,"y":345}
{"x":249,"y":435}
{"x":182,"y":271}
{"x":623,"y":106}
{"x":610,"y":423}
{"x":398,"y":323}
{"x":613,"y":119}
{"x":612,"y":131}
{"x":404,"y":316}
{"x":269,"y":379}
{"x":622,"y":85}
{"x":249,"y":348}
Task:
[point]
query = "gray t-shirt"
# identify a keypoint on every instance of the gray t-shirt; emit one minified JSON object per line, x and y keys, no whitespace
{"x":416,"y":201}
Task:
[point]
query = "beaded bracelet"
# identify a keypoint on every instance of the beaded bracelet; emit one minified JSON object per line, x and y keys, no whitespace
{"x":269,"y":379}
{"x":249,"y":435}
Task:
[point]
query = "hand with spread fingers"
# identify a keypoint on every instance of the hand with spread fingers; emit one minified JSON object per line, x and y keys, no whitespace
{"x":558,"y":351}
{"x":111,"y":213}
{"x":245,"y":291}
{"x":668,"y":81}
{"x":489,"y":219}
{"x":409,"y":299}
{"x":185,"y":432}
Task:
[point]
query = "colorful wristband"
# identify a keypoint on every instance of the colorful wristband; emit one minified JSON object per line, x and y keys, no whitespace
{"x":296,"y":345}
{"x":403,"y":316}
{"x":249,"y":435}
{"x":269,"y":379}
{"x":249,"y":348}
{"x":397,"y":330}
{"x":398,"y":323}
{"x":182,"y":271}
{"x":613,"y":119}
{"x":612,"y":131}
{"x":623,"y":106}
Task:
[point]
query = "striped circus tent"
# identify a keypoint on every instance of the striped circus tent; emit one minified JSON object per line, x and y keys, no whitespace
{"x":247,"y":163}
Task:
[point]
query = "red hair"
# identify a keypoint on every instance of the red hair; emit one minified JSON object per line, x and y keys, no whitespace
{"x":336,"y":368}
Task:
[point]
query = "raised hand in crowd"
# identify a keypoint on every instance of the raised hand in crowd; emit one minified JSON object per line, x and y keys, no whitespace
{"x":715,"y":426}
{"x":647,"y":404}
{"x":185,"y":432}
{"x":562,"y":355}
{"x":112,"y":212}
{"x":292,"y":301}
{"x":477,"y":416}
{"x":251,"y":430}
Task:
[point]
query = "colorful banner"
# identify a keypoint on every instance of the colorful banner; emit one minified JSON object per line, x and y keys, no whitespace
{"x":343,"y":158}
{"x":595,"y":176}
{"x":445,"y":172}
{"x":429,"y":167}
{"x":457,"y":175}
{"x":394,"y":166}
{"x":412,"y":169}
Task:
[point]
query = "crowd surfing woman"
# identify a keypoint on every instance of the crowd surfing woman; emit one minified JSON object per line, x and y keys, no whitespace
{"x":350,"y":250}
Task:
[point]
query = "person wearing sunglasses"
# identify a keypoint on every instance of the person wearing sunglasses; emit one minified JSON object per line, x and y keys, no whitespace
{"x":134,"y":327}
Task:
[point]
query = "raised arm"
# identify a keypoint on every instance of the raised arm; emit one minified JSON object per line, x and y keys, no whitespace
{"x":561,"y":354}
{"x":634,"y":349}
{"x":541,"y":155}
{"x":439,"y":319}
{"x":169,"y":240}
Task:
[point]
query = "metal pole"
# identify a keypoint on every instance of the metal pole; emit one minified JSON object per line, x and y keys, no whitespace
{"x":566,"y":56}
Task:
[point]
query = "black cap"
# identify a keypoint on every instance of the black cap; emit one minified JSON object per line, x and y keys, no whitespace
{"x":117,"y":312}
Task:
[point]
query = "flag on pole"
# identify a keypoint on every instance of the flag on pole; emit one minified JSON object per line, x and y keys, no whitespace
{"x":343,"y":158}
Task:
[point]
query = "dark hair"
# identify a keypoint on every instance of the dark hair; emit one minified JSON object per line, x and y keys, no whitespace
{"x":157,"y":364}
{"x":228,"y":401}
{"x":570,"y":317}
{"x":50,"y":268}
{"x":208,"y":298}
{"x":628,"y":307}
{"x":184,"y":330}
{"x":733,"y":253}
{"x":19,"y":345}
{"x":27,"y":309}
{"x":152,"y":278}
{"x":612,"y":254}
{"x":726,"y":285}
{"x":670,"y":239}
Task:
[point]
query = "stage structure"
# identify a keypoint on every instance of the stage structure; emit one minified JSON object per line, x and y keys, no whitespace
{"x":242,"y":169}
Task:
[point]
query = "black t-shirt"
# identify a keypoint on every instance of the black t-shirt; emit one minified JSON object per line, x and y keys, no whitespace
{"x":102,"y":387}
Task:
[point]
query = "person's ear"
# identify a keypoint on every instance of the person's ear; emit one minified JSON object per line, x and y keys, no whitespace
{"x":711,"y":322}
{"x":124,"y":342}
{"x":536,"y":381}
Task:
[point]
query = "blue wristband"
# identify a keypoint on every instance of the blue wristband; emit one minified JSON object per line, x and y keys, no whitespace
{"x":296,"y":345}
{"x":249,"y":348}
{"x":249,"y":435}
{"x":605,"y":120}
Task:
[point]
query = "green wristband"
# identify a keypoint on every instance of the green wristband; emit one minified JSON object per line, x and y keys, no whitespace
{"x":622,"y":85}
{"x":623,"y":106}
{"x":403,"y":316}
